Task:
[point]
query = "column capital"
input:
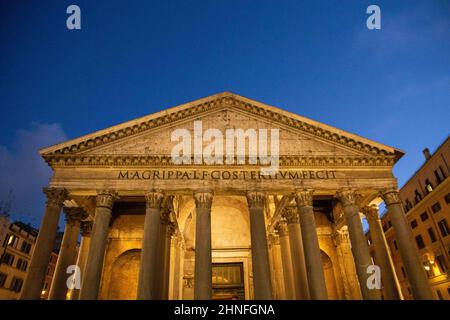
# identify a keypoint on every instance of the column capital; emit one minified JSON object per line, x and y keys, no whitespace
{"x":304,"y":198}
{"x":56,"y":196}
{"x":165,"y":216}
{"x":171,"y":229}
{"x":291,"y":215}
{"x":203,"y":199}
{"x":86,"y":228}
{"x":106,"y":198}
{"x":348,"y":197}
{"x":340,"y":236}
{"x":255,"y":199}
{"x":154,"y":199}
{"x":390,"y":196}
{"x":371,"y":213}
{"x":282,"y":228}
{"x":273,"y":239}
{"x":74,"y":214}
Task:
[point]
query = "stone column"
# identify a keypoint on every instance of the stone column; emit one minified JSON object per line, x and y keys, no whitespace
{"x":45,"y":242}
{"x":90,"y":284}
{"x":203,"y":258}
{"x":166,"y":271}
{"x":313,"y":258}
{"x":277,"y":267}
{"x":177,"y":266}
{"x":161,"y":250}
{"x":297,"y":254}
{"x":360,"y":247}
{"x":67,"y":253}
{"x":86,"y":229}
{"x":260,"y":259}
{"x":286,"y":259}
{"x":382,"y":255}
{"x":148,"y":272}
{"x":407,"y":246}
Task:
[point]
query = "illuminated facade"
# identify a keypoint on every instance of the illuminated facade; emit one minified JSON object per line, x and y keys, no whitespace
{"x":153,"y":229}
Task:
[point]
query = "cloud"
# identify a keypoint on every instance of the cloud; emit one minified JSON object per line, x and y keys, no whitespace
{"x":23,"y":173}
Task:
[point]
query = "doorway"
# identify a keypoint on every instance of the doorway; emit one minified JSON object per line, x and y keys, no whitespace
{"x":228,"y":281}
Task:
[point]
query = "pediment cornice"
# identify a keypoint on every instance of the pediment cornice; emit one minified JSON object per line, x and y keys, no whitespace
{"x":73,"y":151}
{"x":165,"y":161}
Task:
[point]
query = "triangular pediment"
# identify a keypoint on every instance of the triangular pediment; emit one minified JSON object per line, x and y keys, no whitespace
{"x":150,"y":136}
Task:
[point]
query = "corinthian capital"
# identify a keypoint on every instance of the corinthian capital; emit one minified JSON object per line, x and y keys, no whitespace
{"x":340,"y":236}
{"x":203,"y":199}
{"x":348,"y":197}
{"x":74,"y":214}
{"x":304,"y":198}
{"x":255,"y":199}
{"x":371,"y":213}
{"x":86,"y":228}
{"x":390,"y":196}
{"x":56,"y":196}
{"x":106,"y":198}
{"x":154,"y":199}
{"x":282,"y":228}
{"x":291,"y":214}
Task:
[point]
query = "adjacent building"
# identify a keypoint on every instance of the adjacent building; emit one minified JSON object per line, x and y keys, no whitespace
{"x":426,"y":201}
{"x":17,"y":248}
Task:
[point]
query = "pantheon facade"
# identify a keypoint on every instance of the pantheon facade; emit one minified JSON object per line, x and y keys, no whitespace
{"x":153,"y":229}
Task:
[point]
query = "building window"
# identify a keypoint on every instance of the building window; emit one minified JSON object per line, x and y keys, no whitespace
{"x":22,"y":264}
{"x":428,"y":186}
{"x":447,"y":198}
{"x":436,"y":207}
{"x":16,"y":284}
{"x":408,"y":205}
{"x":414,"y":224}
{"x":26,"y":247}
{"x":439,"y":294}
{"x":432,"y":235}
{"x":441,"y":263}
{"x":440,"y":175}
{"x":417,"y":196}
{"x":3,"y":278}
{"x":12,"y":241}
{"x":424,"y":216}
{"x":443,"y":226}
{"x":8,"y":259}
{"x":419,"y":241}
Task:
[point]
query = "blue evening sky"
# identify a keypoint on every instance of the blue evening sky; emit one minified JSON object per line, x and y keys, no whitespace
{"x":132,"y":58}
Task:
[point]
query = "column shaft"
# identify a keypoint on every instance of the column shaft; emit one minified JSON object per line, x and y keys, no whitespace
{"x":360,"y":247}
{"x":313,"y":259}
{"x":67,"y":253}
{"x":86,"y":229}
{"x":148,"y":272}
{"x":166,"y":269}
{"x":382,"y":255}
{"x":45,"y":242}
{"x":90,"y":284}
{"x":410,"y":255}
{"x":203,"y":258}
{"x":297,"y":253}
{"x":286,"y":260}
{"x":260,"y":259}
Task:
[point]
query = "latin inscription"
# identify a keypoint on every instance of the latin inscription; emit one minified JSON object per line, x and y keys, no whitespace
{"x":224,"y":175}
